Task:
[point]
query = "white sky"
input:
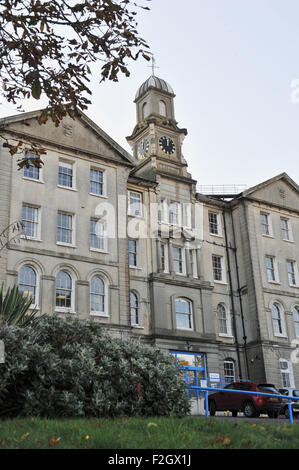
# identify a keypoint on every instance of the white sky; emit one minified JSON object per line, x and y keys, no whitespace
{"x":231,"y":64}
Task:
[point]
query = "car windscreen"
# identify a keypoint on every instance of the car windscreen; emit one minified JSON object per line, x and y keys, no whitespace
{"x":268,"y":388}
{"x":296,"y":393}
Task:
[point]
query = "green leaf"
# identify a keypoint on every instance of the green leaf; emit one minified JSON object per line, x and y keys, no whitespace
{"x":36,"y":89}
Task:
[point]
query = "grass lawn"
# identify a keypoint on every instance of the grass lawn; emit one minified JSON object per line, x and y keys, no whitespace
{"x":145,"y":433}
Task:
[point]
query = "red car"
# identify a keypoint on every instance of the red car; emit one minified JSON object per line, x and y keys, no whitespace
{"x":251,"y":405}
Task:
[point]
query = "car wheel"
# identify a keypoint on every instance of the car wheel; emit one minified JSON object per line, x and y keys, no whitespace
{"x":249,"y":409}
{"x":235,"y":413}
{"x":212,"y":408}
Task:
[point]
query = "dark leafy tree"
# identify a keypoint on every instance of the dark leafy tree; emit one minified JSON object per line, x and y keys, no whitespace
{"x":48,"y":46}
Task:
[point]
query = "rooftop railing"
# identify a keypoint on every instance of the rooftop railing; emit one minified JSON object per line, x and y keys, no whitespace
{"x":221,"y":189}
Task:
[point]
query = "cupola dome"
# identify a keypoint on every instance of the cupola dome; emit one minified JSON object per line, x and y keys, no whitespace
{"x":153,"y":82}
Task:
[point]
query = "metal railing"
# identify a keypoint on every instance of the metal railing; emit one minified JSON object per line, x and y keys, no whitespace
{"x":221,"y":189}
{"x":247,"y":392}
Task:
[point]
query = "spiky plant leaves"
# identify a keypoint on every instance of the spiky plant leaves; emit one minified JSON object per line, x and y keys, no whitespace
{"x":15,"y":308}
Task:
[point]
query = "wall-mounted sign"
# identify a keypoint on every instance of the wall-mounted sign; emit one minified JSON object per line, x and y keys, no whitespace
{"x":214,"y":377}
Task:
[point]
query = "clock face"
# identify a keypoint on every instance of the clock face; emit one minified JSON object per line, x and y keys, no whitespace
{"x":143,"y":147}
{"x":167,"y":145}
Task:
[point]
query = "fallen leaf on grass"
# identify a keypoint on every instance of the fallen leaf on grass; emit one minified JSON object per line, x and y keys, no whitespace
{"x":54,"y":441}
{"x":221,"y":440}
{"x":152,"y":424}
{"x":24,"y":435}
{"x":3,"y":441}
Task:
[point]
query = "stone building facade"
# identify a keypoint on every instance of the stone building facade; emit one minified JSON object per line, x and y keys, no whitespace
{"x":127,"y":240}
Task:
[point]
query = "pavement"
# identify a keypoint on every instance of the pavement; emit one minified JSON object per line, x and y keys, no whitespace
{"x":260,"y":419}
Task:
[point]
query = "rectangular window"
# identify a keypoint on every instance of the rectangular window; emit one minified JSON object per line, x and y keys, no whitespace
{"x":265,"y":224}
{"x":270,"y":266}
{"x":30,"y":221}
{"x":174,"y":213}
{"x":133,"y":253}
{"x":213,"y":223}
{"x":286,"y":232}
{"x":65,"y":174}
{"x":65,"y":228}
{"x":32,"y":171}
{"x":229,"y":371}
{"x":285,"y":379}
{"x":187,"y":215}
{"x":162,"y":211}
{"x":135,"y":204}
{"x":97,"y":235}
{"x":183,"y":312}
{"x":292,"y":272}
{"x":96,"y":182}
{"x":164,"y":258}
{"x":177,"y":254}
{"x":217,"y":262}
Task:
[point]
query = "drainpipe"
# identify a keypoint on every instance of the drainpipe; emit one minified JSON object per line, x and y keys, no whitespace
{"x":232,"y":295}
{"x":239,"y":292}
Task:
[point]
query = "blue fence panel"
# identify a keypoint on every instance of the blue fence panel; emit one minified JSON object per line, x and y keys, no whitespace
{"x":206,"y":391}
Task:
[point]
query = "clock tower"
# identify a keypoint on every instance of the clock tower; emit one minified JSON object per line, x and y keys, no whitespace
{"x":156,"y":141}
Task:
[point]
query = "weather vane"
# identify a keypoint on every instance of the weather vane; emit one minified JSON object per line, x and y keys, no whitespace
{"x":153,"y":66}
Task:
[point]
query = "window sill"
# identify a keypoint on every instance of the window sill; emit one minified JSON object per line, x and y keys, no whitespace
{"x":99,"y":314}
{"x":223,"y":335}
{"x":280,"y":336}
{"x":33,"y":239}
{"x":141,"y":217}
{"x":66,"y":244}
{"x":267,"y":236}
{"x":296,"y":286}
{"x":218,"y":235}
{"x":135,"y":267}
{"x":138,"y":327}
{"x":96,"y":250}
{"x":223,"y":283}
{"x":26,"y":178}
{"x":185,"y":329}
{"x":102,"y":196}
{"x":64,"y":310}
{"x":277,"y":283}
{"x":67,"y":187}
{"x":287,"y":240}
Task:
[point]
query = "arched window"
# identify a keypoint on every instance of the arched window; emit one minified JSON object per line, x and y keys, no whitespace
{"x":64,"y":293}
{"x":97,"y":295}
{"x":229,"y":370}
{"x":296,"y":319}
{"x":134,"y":308}
{"x":162,"y":108}
{"x":223,"y":320}
{"x":183,"y":314}
{"x":278,"y":320}
{"x":144,"y":110}
{"x":27,"y":282}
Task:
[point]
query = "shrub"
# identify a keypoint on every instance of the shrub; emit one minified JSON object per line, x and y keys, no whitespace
{"x":72,"y":368}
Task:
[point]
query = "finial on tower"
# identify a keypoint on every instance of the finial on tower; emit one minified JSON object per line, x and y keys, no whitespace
{"x":153,"y":66}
